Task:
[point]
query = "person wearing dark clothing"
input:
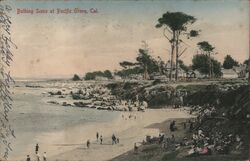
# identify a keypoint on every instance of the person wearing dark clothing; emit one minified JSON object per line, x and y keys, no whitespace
{"x":97,"y":136}
{"x":28,"y":158}
{"x":101,"y":139}
{"x":37,"y":148}
{"x":88,"y":143}
{"x":161,"y":138}
{"x":172,"y":126}
{"x":191,"y":126}
{"x":113,"y":139}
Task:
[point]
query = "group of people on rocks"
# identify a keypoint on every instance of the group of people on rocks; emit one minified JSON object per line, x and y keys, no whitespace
{"x":216,"y":141}
{"x":205,"y":144}
{"x":38,"y":157}
{"x":203,"y":140}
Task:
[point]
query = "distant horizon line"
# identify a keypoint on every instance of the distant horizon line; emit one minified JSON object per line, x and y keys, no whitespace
{"x":41,"y":77}
{"x":69,"y":76}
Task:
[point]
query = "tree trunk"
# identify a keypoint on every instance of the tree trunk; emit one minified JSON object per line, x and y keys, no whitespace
{"x":172,"y":56}
{"x":145,"y":75}
{"x":248,"y":67}
{"x":209,"y":61}
{"x":212,"y":69}
{"x":176,"y":56}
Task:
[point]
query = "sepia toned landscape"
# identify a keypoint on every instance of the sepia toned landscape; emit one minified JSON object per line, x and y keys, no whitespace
{"x":126,"y":81}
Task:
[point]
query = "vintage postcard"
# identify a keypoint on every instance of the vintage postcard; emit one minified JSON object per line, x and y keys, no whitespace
{"x":124,"y":80}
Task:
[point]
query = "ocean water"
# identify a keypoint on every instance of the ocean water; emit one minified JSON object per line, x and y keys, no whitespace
{"x":36,"y":121}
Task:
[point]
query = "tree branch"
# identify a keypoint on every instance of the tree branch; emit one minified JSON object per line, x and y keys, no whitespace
{"x":179,"y":55}
{"x":184,"y":42}
{"x":169,"y":30}
{"x":164,"y":33}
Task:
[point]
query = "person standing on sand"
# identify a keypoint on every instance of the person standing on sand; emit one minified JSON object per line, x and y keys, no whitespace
{"x":97,"y":136}
{"x":113,"y":139}
{"x":44,"y":156}
{"x":36,"y":148}
{"x":28,"y":158}
{"x":101,"y":139}
{"x":88,"y":143}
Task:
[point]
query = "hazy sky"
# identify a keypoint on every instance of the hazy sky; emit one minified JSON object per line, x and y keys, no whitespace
{"x":51,"y":45}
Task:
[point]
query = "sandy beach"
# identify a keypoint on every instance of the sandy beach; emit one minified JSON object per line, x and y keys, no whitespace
{"x":129,"y":131}
{"x":36,"y":121}
{"x":62,"y":132}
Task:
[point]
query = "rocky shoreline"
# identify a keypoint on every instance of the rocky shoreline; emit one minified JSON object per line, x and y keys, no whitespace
{"x":137,"y":96}
{"x":96,"y":96}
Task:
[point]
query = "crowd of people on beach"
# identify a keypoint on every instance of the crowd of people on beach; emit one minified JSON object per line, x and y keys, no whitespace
{"x":202,"y":141}
{"x":206,"y":141}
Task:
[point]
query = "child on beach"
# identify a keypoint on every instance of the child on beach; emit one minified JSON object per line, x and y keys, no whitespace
{"x":101,"y":139}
